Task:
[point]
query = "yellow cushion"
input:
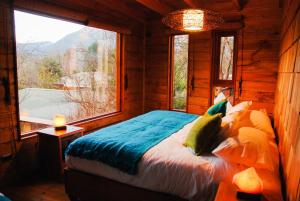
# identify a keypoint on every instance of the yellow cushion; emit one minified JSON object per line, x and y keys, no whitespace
{"x":256,"y":119}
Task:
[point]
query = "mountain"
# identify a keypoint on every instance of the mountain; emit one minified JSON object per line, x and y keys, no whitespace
{"x":37,"y":48}
{"x":82,"y":38}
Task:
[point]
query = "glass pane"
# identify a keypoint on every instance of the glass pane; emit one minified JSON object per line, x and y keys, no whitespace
{"x":63,"y":68}
{"x":180,"y":71}
{"x":226,"y":58}
{"x":221,"y":93}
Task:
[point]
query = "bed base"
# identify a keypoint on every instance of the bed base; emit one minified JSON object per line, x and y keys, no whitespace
{"x":82,"y":186}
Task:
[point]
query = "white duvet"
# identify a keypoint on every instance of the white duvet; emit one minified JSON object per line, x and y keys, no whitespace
{"x":168,"y":167}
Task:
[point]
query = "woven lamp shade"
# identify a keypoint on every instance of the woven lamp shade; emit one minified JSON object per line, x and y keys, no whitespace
{"x":193,"y":20}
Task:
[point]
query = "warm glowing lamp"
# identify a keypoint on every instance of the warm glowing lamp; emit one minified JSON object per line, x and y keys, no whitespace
{"x":59,"y":122}
{"x":249,"y":184}
{"x":192,"y":20}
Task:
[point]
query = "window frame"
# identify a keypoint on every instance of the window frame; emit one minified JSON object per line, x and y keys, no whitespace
{"x":171,"y":72}
{"x":120,"y":55}
{"x":215,"y":81}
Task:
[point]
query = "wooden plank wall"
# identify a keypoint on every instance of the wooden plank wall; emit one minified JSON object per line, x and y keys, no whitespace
{"x":157,"y":69}
{"x":262,"y":19}
{"x":25,"y":160}
{"x":156,"y":76}
{"x":287,"y":102}
{"x":7,"y":114}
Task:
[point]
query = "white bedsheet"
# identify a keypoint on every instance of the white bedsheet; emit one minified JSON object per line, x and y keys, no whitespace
{"x":168,"y":167}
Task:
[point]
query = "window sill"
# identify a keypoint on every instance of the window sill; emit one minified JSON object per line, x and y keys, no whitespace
{"x":32,"y":134}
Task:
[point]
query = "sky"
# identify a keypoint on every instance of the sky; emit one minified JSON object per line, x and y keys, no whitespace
{"x":35,"y":28}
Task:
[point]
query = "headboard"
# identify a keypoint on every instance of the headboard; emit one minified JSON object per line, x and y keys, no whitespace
{"x":287,"y":101}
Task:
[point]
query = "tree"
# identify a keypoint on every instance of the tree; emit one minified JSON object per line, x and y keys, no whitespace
{"x":49,"y":73}
{"x":94,"y":89}
{"x":28,"y":59}
{"x":29,"y":56}
{"x":180,"y":71}
{"x":226,"y":57}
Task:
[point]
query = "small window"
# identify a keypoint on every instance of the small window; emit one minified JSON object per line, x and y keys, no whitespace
{"x":220,"y":93}
{"x":179,"y":72}
{"x":224,"y":55}
{"x":64,"y":68}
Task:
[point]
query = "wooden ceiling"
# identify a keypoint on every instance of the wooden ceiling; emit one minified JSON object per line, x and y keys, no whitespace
{"x":163,"y":7}
{"x":156,"y":9}
{"x":125,"y":13}
{"x":143,"y":10}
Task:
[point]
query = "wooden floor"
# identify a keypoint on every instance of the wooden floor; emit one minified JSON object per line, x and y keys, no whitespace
{"x":37,"y":190}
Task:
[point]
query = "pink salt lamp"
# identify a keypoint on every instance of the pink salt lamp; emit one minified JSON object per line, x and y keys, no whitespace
{"x":249,"y":184}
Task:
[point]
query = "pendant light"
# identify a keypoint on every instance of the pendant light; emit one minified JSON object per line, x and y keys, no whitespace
{"x":193,"y":20}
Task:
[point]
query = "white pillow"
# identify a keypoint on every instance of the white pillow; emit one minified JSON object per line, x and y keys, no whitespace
{"x":238,"y":110}
{"x":233,"y":115}
{"x":256,"y":119}
{"x":250,"y":147}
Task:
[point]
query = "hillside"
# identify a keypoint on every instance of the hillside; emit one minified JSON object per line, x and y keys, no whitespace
{"x":82,"y":38}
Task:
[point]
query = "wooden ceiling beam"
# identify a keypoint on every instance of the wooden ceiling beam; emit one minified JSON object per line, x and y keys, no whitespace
{"x":222,"y":7}
{"x":121,"y":7}
{"x":193,"y":3}
{"x":228,"y":17}
{"x":157,"y":6}
{"x":239,"y":4}
{"x":95,"y":10}
{"x":68,"y":10}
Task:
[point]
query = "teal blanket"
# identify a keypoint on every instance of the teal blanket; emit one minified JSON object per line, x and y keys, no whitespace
{"x":122,"y":145}
{"x":4,"y":198}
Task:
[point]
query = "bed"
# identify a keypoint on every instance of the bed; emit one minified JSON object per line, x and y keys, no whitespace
{"x":166,"y":171}
{"x":151,"y":162}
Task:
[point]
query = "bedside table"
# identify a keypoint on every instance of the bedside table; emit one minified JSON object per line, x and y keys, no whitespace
{"x":227,"y":192}
{"x":52,"y":145}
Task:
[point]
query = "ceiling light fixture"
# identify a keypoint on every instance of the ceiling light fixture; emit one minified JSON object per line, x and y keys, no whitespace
{"x":193,"y":20}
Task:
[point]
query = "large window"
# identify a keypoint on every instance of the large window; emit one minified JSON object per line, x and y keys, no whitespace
{"x":224,"y":67}
{"x":64,"y":68}
{"x":179,"y":72}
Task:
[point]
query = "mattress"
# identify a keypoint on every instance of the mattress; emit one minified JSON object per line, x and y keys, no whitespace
{"x":168,"y":167}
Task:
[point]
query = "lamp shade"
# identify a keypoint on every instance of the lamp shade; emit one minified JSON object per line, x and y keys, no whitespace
{"x":59,"y":122}
{"x":192,"y":20}
{"x":248,"y":181}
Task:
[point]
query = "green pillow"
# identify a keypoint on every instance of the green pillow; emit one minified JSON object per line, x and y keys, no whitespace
{"x":219,"y":107}
{"x":204,"y":133}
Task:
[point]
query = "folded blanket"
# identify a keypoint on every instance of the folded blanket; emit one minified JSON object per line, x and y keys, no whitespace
{"x":122,"y":145}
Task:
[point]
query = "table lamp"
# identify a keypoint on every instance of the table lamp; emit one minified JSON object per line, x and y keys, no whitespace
{"x":59,"y":122}
{"x":249,"y":185}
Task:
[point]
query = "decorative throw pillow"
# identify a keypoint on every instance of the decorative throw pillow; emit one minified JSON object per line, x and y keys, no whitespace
{"x":219,"y":107}
{"x":256,"y":119}
{"x":250,"y":147}
{"x":204,"y":134}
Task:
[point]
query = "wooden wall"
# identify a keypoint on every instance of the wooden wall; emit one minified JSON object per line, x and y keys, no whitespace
{"x":287,"y":102}
{"x":258,"y":42}
{"x":260,"y":38}
{"x":7,"y":114}
{"x":25,"y":160}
